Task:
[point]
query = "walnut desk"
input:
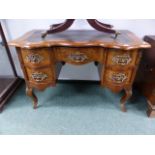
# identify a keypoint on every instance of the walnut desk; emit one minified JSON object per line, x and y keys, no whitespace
{"x":117,"y":59}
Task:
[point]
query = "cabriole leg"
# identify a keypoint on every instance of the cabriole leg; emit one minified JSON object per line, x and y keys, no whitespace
{"x":128,"y":94}
{"x":30,"y":93}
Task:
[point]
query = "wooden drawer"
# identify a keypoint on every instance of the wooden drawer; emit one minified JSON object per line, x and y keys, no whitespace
{"x":122,"y":58}
{"x":36,"y":57}
{"x":118,"y":77}
{"x":40,"y":75}
{"x":79,"y":55}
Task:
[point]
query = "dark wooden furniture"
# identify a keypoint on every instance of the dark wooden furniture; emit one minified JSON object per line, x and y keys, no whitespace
{"x":8,"y":84}
{"x":145,"y":80}
{"x":41,"y":59}
{"x":102,"y":27}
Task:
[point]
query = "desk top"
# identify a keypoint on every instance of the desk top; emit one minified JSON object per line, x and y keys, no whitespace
{"x":126,"y":40}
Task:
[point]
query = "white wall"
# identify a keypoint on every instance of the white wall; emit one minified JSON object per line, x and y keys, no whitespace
{"x":4,"y":61}
{"x":16,"y":28}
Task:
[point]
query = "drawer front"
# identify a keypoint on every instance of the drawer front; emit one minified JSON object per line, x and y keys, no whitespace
{"x":80,"y":55}
{"x":118,"y":77}
{"x":40,"y":75}
{"x":122,"y":58}
{"x":36,"y":57}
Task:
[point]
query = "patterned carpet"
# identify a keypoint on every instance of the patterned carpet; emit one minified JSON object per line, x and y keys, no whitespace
{"x":75,"y":108}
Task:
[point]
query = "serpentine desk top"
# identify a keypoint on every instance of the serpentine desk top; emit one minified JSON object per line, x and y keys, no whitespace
{"x":126,"y":40}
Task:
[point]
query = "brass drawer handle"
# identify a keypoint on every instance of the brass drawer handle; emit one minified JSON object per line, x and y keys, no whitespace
{"x":39,"y":76}
{"x":34,"y":58}
{"x":77,"y":57}
{"x":118,"y":77}
{"x":124,"y":59}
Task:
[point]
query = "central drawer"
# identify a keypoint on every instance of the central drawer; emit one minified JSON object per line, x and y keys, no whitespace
{"x":80,"y":55}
